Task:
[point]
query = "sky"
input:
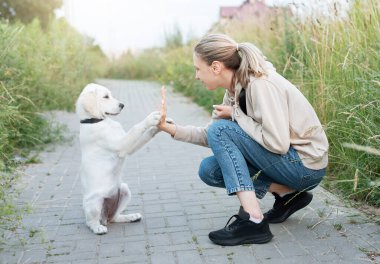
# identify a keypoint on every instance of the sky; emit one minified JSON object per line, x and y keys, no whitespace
{"x":119,"y":25}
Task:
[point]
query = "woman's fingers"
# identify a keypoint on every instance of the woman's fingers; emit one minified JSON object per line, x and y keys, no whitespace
{"x":163,"y":105}
{"x":223,"y":111}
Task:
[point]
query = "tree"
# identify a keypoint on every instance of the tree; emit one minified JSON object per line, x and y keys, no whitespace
{"x":26,"y":10}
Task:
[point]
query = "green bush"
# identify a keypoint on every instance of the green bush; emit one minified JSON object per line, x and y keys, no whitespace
{"x":146,"y":65}
{"x":336,"y":64}
{"x":40,"y":70}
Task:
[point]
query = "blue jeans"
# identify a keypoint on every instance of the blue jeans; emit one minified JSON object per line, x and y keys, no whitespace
{"x":241,"y":164}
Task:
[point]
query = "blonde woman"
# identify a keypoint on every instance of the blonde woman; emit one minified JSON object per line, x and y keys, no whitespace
{"x":265,"y":136}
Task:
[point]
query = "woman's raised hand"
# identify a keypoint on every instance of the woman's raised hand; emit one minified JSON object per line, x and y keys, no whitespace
{"x":163,"y":108}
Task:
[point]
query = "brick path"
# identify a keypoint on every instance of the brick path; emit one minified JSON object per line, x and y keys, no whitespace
{"x":178,"y":209}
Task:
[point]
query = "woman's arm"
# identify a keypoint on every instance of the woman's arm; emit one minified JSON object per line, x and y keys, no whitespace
{"x":168,"y":127}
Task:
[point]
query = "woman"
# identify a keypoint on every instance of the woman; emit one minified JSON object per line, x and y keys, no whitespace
{"x":265,"y":136}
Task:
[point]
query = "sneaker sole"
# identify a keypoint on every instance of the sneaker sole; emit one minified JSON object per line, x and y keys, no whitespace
{"x":262,"y":239}
{"x":291,"y":210}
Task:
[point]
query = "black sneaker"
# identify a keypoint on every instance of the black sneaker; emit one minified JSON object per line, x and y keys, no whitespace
{"x":242,"y":231}
{"x":285,"y":206}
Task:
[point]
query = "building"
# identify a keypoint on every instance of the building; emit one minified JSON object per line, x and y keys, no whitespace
{"x":252,"y":9}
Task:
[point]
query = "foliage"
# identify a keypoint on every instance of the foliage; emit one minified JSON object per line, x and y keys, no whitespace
{"x":143,"y":65}
{"x":148,"y":64}
{"x":27,"y":10}
{"x":40,"y":70}
{"x":174,"y":39}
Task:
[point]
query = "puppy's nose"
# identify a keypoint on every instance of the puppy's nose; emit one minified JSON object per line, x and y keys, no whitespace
{"x":121,"y":106}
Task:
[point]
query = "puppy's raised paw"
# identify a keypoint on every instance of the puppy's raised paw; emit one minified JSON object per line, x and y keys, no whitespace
{"x":153,"y":119}
{"x":128,"y":218}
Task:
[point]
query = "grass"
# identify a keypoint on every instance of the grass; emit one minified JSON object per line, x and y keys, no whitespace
{"x":40,"y":70}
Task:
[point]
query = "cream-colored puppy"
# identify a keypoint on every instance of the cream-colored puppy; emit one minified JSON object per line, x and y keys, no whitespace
{"x":104,"y":145}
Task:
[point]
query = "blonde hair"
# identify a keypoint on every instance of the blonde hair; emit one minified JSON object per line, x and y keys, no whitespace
{"x":244,"y":59}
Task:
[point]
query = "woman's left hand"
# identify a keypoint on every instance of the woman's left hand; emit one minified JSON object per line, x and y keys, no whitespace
{"x":223,"y":111}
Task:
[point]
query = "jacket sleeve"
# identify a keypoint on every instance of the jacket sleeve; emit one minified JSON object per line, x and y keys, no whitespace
{"x":192,"y":134}
{"x":270,"y":125}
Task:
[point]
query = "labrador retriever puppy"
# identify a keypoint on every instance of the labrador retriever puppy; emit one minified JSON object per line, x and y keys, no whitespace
{"x":105,"y":145}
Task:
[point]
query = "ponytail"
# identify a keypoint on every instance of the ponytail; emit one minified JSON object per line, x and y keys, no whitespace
{"x":253,"y":62}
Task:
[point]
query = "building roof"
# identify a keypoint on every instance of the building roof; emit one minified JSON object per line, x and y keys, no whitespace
{"x":228,"y":11}
{"x":248,"y":7}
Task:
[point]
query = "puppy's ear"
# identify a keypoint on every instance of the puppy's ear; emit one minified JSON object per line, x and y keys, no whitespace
{"x":90,"y":105}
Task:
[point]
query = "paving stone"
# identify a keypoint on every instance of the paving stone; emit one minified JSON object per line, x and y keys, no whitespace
{"x":167,"y":258}
{"x":185,"y":257}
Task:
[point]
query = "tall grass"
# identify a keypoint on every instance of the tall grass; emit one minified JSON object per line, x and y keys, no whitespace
{"x":334,"y":63}
{"x":39,"y":70}
{"x":148,"y":64}
{"x":144,"y":65}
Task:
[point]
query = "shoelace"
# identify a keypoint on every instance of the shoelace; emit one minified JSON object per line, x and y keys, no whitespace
{"x":234,"y":224}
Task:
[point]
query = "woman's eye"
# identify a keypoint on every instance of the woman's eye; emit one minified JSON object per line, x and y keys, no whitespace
{"x":107,"y":97}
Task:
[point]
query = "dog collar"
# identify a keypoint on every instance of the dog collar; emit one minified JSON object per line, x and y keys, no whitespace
{"x":91,"y":120}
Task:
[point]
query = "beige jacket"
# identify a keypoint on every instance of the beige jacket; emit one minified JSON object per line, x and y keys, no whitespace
{"x":278,"y":116}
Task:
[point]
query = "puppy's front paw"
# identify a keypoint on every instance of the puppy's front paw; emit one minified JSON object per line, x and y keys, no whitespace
{"x":153,"y":119}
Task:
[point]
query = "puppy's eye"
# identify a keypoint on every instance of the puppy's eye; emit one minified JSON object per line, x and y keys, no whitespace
{"x":106,"y":97}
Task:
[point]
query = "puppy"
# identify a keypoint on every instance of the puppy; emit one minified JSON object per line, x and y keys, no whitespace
{"x":105,"y":145}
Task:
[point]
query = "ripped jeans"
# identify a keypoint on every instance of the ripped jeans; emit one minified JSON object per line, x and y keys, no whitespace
{"x":241,"y":164}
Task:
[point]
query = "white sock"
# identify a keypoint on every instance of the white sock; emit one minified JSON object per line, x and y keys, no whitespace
{"x":283,"y":194}
{"x":255,"y":220}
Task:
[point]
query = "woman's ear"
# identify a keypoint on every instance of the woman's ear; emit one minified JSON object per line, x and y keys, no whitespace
{"x":216,"y":67}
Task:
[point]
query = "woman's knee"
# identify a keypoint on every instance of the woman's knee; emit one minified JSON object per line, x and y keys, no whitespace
{"x":208,"y":172}
{"x":204,"y":171}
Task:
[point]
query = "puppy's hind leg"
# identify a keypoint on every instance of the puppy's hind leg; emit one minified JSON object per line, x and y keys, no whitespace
{"x":125,"y":197}
{"x":93,"y":212}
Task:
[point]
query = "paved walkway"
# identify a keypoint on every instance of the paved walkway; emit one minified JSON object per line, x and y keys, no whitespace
{"x":178,"y":209}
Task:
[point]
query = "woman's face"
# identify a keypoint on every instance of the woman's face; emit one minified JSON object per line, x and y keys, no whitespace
{"x":205,"y":73}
